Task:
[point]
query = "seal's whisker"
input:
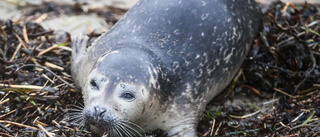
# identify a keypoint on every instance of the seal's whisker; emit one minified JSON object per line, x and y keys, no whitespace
{"x":121,"y":133}
{"x":134,"y":131}
{"x":134,"y":125}
{"x":119,"y":129}
{"x":129,"y":127}
{"x":118,"y":132}
{"x":75,"y":106}
{"x":129,"y":130}
{"x":73,"y":110}
{"x":113,"y":133}
{"x":80,"y":105}
{"x":74,"y":114}
{"x":75,"y":120}
{"x":109,"y":132}
{"x":123,"y":130}
{"x":74,"y":117}
{"x":81,"y":124}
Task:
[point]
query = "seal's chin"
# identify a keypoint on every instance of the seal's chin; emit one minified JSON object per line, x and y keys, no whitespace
{"x":121,"y":129}
{"x":101,"y":123}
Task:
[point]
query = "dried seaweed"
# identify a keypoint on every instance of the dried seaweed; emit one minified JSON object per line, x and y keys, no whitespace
{"x":282,"y":67}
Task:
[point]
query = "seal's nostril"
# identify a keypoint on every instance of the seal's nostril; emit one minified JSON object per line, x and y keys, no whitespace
{"x":99,"y":111}
{"x":102,"y":112}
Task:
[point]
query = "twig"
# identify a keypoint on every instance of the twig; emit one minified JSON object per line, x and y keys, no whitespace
{"x":43,"y":129}
{"x":24,"y":44}
{"x":65,"y":48}
{"x":253,"y":89}
{"x":285,"y":93}
{"x":7,"y":129}
{"x":45,"y":76}
{"x":4,"y":101}
{"x":299,"y":34}
{"x":18,"y":124}
{"x":56,"y":123}
{"x":245,"y":116}
{"x":283,"y":125}
{"x":21,"y":86}
{"x":294,"y":120}
{"x":216,"y":133}
{"x":270,"y":101}
{"x":285,"y":7}
{"x":41,"y":18}
{"x":16,"y":52}
{"x":25,"y":34}
{"x":5,"y":96}
{"x":54,"y":66}
{"x":37,"y":122}
{"x":6,"y":134}
{"x":294,"y":7}
{"x":316,"y":85}
{"x":41,"y":34}
{"x":47,"y":50}
{"x":214,"y":121}
{"x":8,"y":113}
{"x":27,"y":65}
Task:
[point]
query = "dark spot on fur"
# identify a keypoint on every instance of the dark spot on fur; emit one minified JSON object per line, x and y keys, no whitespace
{"x":151,"y":105}
{"x":144,"y":107}
{"x":123,"y":86}
{"x":103,"y":80}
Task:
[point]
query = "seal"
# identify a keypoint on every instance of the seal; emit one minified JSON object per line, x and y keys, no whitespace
{"x":161,"y":63}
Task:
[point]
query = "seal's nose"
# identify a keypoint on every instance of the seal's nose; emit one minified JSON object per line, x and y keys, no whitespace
{"x":99,"y":117}
{"x":95,"y":115}
{"x":98,"y":111}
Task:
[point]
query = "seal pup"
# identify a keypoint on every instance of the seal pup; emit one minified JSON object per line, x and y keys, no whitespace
{"x":161,"y":63}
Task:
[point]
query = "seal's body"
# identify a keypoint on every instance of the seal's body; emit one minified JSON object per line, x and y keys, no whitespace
{"x":160,"y":65}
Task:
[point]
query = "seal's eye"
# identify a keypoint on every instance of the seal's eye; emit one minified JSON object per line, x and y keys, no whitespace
{"x":128,"y":96}
{"x":94,"y":85}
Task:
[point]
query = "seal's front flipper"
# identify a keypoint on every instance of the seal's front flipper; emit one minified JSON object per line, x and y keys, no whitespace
{"x":79,"y":44}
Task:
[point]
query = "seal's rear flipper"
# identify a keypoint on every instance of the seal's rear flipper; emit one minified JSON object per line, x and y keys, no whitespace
{"x":79,"y":44}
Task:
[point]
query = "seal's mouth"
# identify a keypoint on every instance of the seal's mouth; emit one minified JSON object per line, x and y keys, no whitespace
{"x":101,"y":123}
{"x":99,"y":117}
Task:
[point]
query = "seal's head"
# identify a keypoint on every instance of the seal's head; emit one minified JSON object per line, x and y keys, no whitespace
{"x":120,"y":94}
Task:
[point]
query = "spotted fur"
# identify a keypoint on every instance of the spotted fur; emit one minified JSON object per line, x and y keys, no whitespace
{"x":174,"y":56}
